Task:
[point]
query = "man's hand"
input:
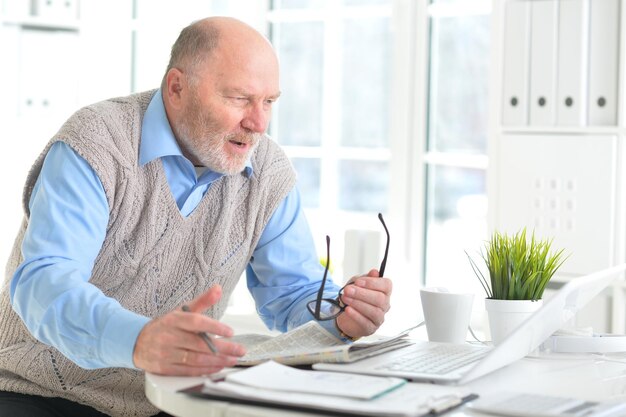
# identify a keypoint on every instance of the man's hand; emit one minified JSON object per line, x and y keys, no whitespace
{"x":368,"y":301}
{"x":170,"y":345}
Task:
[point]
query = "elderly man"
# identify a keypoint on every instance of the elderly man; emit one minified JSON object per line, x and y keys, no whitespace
{"x":142,"y":204}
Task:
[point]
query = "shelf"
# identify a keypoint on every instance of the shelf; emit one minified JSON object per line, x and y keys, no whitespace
{"x":564,"y":130}
{"x":41,"y":23}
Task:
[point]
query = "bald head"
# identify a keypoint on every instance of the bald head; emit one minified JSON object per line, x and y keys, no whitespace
{"x":206,"y":38}
{"x":218,"y":92}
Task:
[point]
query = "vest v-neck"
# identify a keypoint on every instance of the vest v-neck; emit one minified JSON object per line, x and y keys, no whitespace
{"x":199,"y":171}
{"x":171,"y":199}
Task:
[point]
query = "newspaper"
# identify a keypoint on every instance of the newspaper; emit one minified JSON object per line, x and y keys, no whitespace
{"x":311,"y":343}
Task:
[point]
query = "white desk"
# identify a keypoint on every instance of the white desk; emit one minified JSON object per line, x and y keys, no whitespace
{"x":580,"y":376}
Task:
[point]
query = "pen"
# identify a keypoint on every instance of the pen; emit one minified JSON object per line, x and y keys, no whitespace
{"x":203,"y":335}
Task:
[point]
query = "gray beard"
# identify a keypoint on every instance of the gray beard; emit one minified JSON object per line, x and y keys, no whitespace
{"x":210,"y":153}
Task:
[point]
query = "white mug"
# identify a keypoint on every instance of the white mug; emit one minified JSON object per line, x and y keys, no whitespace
{"x":447,"y":315}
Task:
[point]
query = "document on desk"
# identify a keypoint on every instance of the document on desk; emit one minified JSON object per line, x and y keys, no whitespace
{"x":275,"y":385}
{"x":538,"y":405}
{"x":311,"y":343}
{"x":276,"y":377}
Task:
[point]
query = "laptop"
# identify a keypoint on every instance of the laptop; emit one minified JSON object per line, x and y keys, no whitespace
{"x":457,"y":364}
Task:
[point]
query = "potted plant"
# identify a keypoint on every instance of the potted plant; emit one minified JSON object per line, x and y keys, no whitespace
{"x":519,"y":271}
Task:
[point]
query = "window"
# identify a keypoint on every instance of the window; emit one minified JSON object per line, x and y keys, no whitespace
{"x":352,"y":70}
{"x":456,"y":145}
{"x":337,"y":66}
{"x":335,"y":59}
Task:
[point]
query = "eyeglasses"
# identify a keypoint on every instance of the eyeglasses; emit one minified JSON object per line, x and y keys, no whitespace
{"x":329,"y":308}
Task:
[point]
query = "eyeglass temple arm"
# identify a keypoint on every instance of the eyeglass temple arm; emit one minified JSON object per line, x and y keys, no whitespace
{"x":383,"y":264}
{"x":320,"y":293}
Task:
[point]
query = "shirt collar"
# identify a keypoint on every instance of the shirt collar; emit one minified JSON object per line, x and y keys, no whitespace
{"x":157,"y":138}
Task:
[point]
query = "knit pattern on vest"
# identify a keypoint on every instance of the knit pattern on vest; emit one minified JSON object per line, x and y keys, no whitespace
{"x":152,"y":260}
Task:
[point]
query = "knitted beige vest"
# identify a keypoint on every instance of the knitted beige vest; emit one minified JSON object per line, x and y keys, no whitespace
{"x":152,"y":260}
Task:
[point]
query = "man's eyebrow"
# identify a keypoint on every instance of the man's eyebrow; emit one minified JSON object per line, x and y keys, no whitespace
{"x":244,"y":93}
{"x":235,"y":92}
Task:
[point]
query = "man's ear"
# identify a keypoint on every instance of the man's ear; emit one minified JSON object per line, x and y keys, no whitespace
{"x":175,"y":83}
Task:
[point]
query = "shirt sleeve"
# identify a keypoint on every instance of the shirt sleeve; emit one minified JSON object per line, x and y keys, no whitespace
{"x":50,"y":290}
{"x":285,"y":273}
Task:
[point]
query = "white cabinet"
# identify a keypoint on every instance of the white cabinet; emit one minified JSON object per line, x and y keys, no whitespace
{"x":47,"y":80}
{"x":55,"y":9}
{"x":63,"y":54}
{"x":55,"y":63}
{"x":563,"y":187}
{"x":557,"y":158}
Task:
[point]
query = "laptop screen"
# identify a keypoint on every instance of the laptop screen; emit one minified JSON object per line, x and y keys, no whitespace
{"x":554,"y":313}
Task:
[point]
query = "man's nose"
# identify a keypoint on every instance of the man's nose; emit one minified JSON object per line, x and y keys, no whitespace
{"x":256,"y":118}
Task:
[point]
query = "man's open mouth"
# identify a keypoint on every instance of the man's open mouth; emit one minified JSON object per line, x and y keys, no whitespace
{"x":240,"y":144}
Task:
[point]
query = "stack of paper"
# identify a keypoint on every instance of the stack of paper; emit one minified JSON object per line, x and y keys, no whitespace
{"x":273,"y":376}
{"x":275,"y":385}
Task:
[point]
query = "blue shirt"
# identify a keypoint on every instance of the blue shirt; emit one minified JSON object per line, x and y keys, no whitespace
{"x":69,"y":215}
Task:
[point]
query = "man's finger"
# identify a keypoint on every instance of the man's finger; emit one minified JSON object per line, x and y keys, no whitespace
{"x":227,"y":347}
{"x":186,"y":370}
{"x":384,"y":285}
{"x":373,"y":291}
{"x":224,"y":346}
{"x":355,"y":324}
{"x":196,"y":322}
{"x":373,"y":314}
{"x":373,"y":273}
{"x":203,"y":359}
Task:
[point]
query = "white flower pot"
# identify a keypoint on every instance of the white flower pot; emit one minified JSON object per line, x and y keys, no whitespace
{"x":506,"y":315}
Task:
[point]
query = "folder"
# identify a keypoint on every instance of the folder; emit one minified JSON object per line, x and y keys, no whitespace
{"x":603,"y":62}
{"x":312,"y":391}
{"x":543,"y":62}
{"x":515,"y":63}
{"x":571,"y":104}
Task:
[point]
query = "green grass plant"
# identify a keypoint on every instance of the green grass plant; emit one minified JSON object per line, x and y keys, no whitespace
{"x":519,"y":269}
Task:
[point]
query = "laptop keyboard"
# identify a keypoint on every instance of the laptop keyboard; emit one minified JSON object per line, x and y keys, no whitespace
{"x":435,"y":360}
